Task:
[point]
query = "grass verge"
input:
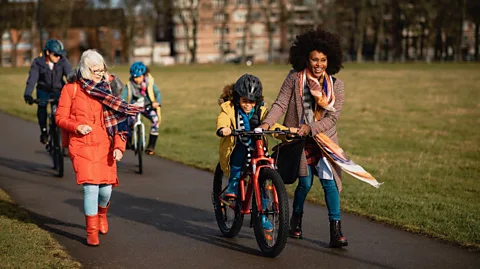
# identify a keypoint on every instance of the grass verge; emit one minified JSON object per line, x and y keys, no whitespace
{"x":415,"y":127}
{"x":24,"y":245}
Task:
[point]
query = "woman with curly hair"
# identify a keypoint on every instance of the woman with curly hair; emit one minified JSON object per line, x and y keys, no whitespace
{"x":312,"y":100}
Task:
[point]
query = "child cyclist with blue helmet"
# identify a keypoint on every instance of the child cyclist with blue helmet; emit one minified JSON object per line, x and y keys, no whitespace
{"x":242,"y":108}
{"x":141,"y":89}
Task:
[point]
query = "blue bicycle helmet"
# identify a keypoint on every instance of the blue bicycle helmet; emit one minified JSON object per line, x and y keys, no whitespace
{"x":55,"y":46}
{"x":137,"y":69}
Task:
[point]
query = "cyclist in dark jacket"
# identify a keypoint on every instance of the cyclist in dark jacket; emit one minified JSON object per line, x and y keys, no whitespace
{"x":47,"y":71}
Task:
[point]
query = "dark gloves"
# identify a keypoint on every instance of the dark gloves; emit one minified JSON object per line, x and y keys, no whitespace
{"x":28,"y":99}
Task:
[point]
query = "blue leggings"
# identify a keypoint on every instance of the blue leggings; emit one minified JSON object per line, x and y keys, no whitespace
{"x":332,"y":197}
{"x":94,"y":196}
{"x":237,"y":160}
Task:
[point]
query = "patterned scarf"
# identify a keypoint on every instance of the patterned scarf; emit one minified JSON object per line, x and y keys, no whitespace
{"x":323,"y":94}
{"x":243,"y":123}
{"x":325,"y":98}
{"x":336,"y":155}
{"x":139,"y":90}
{"x":115,"y":110}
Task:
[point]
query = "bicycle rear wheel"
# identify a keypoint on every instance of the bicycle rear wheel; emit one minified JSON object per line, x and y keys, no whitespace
{"x":229,"y":217}
{"x":58,"y":161}
{"x":274,"y":216}
{"x":140,"y":147}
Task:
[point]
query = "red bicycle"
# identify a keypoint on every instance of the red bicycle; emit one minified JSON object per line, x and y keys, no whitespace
{"x":261,"y":193}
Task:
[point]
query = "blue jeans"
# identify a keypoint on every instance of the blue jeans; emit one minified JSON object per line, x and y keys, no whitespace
{"x":43,"y":97}
{"x":94,"y":196}
{"x":332,"y":197}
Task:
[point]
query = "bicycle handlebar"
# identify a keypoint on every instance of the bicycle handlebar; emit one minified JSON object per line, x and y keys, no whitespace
{"x":264,"y":132}
{"x":51,"y":100}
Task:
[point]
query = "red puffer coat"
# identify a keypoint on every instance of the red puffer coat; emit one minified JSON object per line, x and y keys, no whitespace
{"x":91,"y":154}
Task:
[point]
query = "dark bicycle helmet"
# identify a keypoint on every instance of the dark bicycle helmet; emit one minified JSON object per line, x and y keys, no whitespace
{"x":248,"y":86}
{"x":55,"y":46}
{"x":137,"y":69}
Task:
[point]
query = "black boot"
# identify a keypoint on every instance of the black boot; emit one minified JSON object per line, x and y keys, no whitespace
{"x":337,"y":240}
{"x":151,"y":144}
{"x":296,"y":225}
{"x":44,"y":136}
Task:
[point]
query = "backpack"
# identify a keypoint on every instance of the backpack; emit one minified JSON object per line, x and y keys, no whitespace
{"x":65,"y":134}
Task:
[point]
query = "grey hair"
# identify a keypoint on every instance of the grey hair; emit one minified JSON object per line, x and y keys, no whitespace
{"x":89,"y":59}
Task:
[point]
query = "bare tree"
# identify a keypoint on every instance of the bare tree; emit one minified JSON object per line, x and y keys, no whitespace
{"x":246,"y":30}
{"x":129,"y":28}
{"x":361,"y":10}
{"x":4,"y":24}
{"x":187,"y":12}
{"x":473,"y":13}
{"x":270,"y":11}
{"x":224,"y":14}
{"x":21,"y":20}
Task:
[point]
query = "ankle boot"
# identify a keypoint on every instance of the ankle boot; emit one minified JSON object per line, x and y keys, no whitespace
{"x":151,"y":144}
{"x":296,"y":225}
{"x":337,"y":240}
{"x":231,"y":191}
{"x":92,"y":230}
{"x":102,"y":219}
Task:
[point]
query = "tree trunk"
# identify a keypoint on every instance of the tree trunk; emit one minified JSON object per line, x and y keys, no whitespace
{"x":458,"y":50}
{"x":379,"y":38}
{"x":245,"y":30}
{"x":193,"y":50}
{"x":361,"y":30}
{"x":477,"y":30}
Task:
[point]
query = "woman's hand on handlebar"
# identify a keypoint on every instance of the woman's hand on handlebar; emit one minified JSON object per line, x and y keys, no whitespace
{"x":264,"y":126}
{"x":304,"y":130}
{"x":155,"y":104}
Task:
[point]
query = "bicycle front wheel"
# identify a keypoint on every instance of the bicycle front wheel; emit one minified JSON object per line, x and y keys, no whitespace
{"x":227,"y":213}
{"x":271,"y":225}
{"x":140,"y":148}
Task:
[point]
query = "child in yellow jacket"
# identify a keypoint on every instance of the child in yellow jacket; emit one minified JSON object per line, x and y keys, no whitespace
{"x":241,"y":109}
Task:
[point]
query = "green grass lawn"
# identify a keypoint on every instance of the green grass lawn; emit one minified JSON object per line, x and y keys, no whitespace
{"x":24,"y":245}
{"x":413,"y":126}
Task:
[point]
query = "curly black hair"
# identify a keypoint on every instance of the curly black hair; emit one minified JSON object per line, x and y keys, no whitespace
{"x":320,"y":40}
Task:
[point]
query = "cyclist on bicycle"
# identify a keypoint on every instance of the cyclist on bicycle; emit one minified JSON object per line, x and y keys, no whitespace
{"x":242,"y":108}
{"x":142,"y":90}
{"x":47,"y":71}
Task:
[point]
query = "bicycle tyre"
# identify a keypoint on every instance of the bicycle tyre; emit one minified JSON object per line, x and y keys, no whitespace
{"x":140,"y":150}
{"x":58,"y":152}
{"x":283,"y":225}
{"x":219,"y":208}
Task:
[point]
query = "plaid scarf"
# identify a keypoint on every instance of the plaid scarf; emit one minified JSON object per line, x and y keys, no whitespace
{"x":115,"y":110}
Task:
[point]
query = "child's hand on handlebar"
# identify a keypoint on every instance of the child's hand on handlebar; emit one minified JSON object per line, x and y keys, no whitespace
{"x":226,"y":131}
{"x":155,"y":104}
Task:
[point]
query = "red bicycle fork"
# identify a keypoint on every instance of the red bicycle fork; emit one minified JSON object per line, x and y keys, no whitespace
{"x":245,"y":198}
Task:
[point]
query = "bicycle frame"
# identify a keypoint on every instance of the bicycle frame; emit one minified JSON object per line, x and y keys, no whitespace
{"x":253,"y":172}
{"x":138,"y":124}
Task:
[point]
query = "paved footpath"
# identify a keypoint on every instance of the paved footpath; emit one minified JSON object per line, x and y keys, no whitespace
{"x":164,"y":219}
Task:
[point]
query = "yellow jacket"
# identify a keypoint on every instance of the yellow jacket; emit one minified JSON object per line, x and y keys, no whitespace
{"x":227,"y":119}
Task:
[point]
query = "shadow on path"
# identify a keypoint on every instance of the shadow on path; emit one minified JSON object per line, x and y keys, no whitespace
{"x":26,"y":166}
{"x":169,"y":217}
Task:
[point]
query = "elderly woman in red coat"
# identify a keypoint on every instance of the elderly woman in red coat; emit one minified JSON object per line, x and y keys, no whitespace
{"x":95,"y":121}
